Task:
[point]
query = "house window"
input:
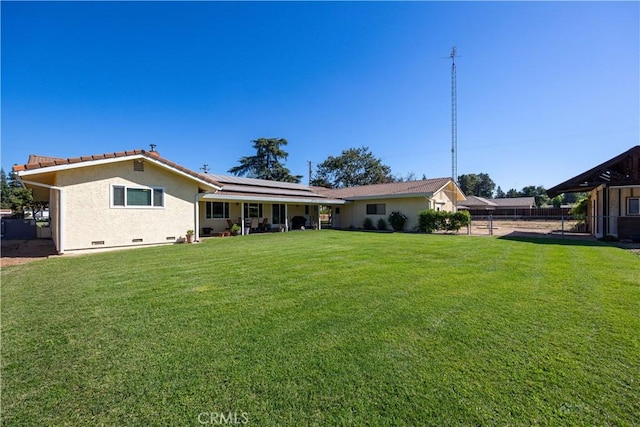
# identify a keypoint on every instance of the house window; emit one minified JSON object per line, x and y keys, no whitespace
{"x":277,"y":214}
{"x":253,"y":210}
{"x":217,"y":210}
{"x":376,"y":209}
{"x":633,"y":206}
{"x":124,"y":196}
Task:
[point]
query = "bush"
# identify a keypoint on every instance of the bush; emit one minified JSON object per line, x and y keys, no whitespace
{"x":458,"y":220}
{"x":368,"y":224}
{"x":382,"y":224}
{"x":397,"y":220}
{"x":579,"y":210}
{"x":430,"y":220}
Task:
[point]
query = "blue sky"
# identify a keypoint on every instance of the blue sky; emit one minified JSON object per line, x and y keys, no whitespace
{"x":546,"y":90}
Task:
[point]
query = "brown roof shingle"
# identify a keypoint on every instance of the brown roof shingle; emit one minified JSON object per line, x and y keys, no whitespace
{"x":425,"y":186}
{"x":41,"y":162}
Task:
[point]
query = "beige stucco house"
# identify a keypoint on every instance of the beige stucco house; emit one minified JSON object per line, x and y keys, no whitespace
{"x":379,"y":200}
{"x":614,"y":195}
{"x":116,"y":199}
{"x":137,"y":198}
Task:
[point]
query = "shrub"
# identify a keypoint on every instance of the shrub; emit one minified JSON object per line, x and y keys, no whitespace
{"x":397,"y":220}
{"x":579,"y":210}
{"x":430,"y":220}
{"x":368,"y":224}
{"x":458,"y":220}
{"x":382,"y":224}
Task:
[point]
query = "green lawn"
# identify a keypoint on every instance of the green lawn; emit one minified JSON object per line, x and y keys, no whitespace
{"x":326,"y":328}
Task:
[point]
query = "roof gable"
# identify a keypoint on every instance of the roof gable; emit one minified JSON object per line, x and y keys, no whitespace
{"x":425,"y":187}
{"x":624,"y":169}
{"x":42,"y":164}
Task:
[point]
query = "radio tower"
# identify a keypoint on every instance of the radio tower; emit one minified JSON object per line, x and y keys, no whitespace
{"x":454,"y":126}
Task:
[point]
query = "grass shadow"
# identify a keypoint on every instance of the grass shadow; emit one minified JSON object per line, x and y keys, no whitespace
{"x":553,"y":239}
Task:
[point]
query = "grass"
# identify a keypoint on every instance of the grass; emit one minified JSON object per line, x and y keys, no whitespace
{"x":326,"y":328}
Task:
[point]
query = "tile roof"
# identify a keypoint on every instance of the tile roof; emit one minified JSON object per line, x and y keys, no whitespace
{"x":475,"y":202}
{"x":42,"y":162}
{"x":479,"y":202}
{"x":520,"y":202}
{"x":426,"y":186}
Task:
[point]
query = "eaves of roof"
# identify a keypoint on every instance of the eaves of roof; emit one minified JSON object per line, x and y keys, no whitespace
{"x":590,"y":179}
{"x":390,"y":196}
{"x":43,"y":164}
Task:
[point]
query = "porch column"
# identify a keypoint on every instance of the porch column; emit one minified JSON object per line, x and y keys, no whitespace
{"x":242,"y":219}
{"x":286,"y":217}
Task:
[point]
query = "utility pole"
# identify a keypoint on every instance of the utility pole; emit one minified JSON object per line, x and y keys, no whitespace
{"x":205,"y":168}
{"x":454,"y":125}
{"x":310,"y":170}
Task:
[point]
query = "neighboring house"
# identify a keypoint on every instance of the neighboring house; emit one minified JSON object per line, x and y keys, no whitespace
{"x":136,"y":198}
{"x":478,"y":204}
{"x":508,"y":206}
{"x":379,"y":200}
{"x":614,"y":195}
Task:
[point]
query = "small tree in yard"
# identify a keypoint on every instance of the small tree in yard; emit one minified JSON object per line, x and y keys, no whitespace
{"x":397,"y":220}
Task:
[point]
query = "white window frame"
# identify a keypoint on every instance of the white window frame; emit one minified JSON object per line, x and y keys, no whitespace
{"x":629,"y":199}
{"x":126,"y":187}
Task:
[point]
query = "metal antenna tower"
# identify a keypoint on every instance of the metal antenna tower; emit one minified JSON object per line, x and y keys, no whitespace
{"x":454,"y":125}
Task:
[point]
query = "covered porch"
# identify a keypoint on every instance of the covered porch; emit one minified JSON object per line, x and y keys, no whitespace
{"x":256,"y":205}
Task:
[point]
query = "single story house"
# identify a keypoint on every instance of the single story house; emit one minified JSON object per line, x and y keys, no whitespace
{"x":614,"y":195}
{"x":135,"y":198}
{"x":379,"y":200}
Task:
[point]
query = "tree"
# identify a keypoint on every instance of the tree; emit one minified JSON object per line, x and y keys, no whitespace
{"x":4,"y":190}
{"x":480,"y":185}
{"x":571,"y":198}
{"x":355,"y":166}
{"x":15,"y":196}
{"x":513,"y":193}
{"x":266,"y":163}
{"x":538,"y":192}
{"x":579,"y":210}
{"x":499,"y":193}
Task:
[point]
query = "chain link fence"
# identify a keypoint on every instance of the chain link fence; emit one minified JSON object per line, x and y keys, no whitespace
{"x":556,"y":226}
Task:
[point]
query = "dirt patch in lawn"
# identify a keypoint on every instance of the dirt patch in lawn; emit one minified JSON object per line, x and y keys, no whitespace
{"x":15,"y":252}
